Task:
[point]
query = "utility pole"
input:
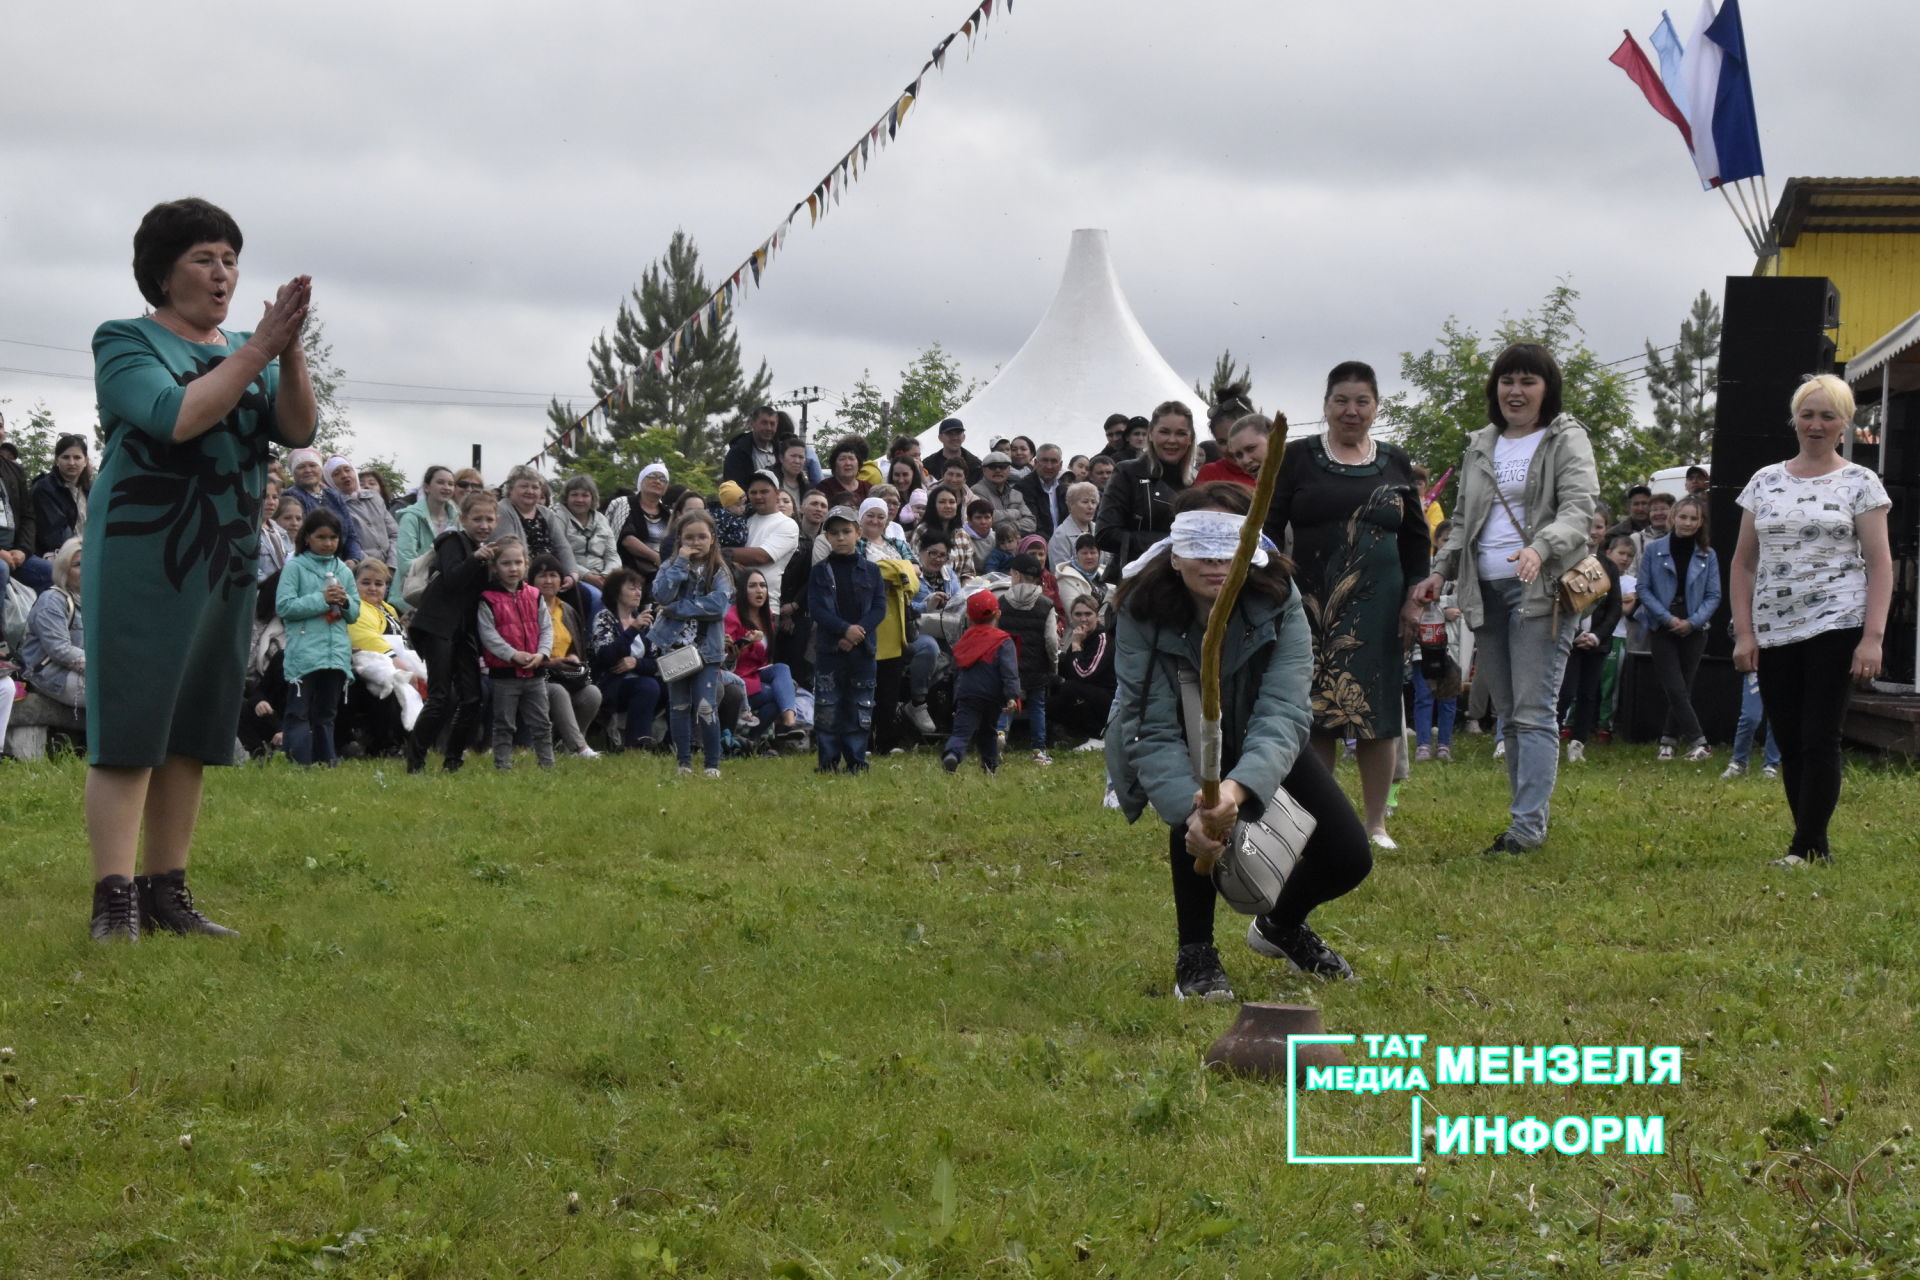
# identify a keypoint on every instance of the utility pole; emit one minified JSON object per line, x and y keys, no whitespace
{"x":802,"y":396}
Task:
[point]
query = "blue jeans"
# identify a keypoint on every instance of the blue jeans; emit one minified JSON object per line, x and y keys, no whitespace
{"x":638,"y":697}
{"x":1752,"y":715}
{"x":35,"y":571}
{"x":696,"y":697}
{"x":924,"y":653}
{"x":312,"y":703}
{"x":1432,"y":718}
{"x":1522,"y":660}
{"x":1035,"y":705}
{"x":973,"y":722}
{"x":776,"y":693}
{"x":843,"y":704}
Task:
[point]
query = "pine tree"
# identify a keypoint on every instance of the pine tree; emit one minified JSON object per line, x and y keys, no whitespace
{"x":1683,"y":384}
{"x":1229,"y":382}
{"x":702,"y":401}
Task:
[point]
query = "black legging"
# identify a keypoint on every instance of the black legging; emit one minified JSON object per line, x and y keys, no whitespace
{"x":1580,"y":689}
{"x":1337,"y":857}
{"x":1805,"y":687}
{"x":453,"y":692}
{"x":1676,"y":660}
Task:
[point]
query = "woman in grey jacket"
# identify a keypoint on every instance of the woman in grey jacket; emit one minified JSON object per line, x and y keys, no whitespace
{"x":1527,"y":489}
{"x":1264,"y":671}
{"x":55,"y":649}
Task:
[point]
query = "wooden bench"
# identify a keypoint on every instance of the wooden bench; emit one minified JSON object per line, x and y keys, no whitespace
{"x":35,"y":718}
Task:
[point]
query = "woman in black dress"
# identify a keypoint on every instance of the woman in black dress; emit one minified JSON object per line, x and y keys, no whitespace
{"x":1360,"y":546}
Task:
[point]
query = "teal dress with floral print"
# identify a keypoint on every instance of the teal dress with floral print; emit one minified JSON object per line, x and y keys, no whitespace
{"x":172,"y":539}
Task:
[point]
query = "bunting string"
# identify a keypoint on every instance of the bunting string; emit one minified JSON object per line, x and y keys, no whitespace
{"x":825,"y":196}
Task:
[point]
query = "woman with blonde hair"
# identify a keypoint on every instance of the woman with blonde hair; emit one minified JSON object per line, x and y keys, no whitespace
{"x":1812,"y":578}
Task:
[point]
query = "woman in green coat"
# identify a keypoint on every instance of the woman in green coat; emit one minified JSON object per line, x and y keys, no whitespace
{"x":189,"y":411}
{"x":1163,"y":605}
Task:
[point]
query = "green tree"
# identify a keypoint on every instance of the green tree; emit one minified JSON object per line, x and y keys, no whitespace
{"x":1447,"y":398}
{"x":34,"y":437}
{"x":1683,"y":384}
{"x":617,"y":466}
{"x":702,"y":401}
{"x":1229,"y":382}
{"x":931,"y":388}
{"x":332,"y":433}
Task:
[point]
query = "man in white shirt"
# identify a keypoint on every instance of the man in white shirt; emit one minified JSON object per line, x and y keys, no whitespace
{"x":772,"y":535}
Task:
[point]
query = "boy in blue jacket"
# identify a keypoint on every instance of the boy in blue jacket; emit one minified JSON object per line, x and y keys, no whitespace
{"x":847,"y":600}
{"x":989,"y":682}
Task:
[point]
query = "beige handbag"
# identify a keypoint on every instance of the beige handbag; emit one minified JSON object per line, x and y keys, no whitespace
{"x":1580,"y":587}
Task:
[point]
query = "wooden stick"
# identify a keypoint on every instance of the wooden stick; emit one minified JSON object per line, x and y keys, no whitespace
{"x":1216,"y":636}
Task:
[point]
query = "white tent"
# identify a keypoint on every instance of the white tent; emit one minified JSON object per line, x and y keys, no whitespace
{"x":1088,"y":358}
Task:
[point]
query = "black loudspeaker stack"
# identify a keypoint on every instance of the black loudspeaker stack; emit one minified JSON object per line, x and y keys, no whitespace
{"x":1773,"y":332}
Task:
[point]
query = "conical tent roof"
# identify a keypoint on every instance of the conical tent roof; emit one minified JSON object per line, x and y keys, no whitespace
{"x":1088,"y":358}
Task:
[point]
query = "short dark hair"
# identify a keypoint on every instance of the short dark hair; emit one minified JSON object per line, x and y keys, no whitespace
{"x":1617,"y":539}
{"x":545,"y":562}
{"x":1352,"y":371}
{"x":854,"y":445}
{"x":1114,"y":420}
{"x":1525,"y":357}
{"x":937,"y":538}
{"x":168,"y":231}
{"x":1635,"y":491}
{"x":978,"y":505}
{"x":765,"y":410}
{"x":615,"y":583}
{"x":317,"y":519}
{"x":1026,"y":566}
{"x":1085,"y":541}
{"x":902,"y":447}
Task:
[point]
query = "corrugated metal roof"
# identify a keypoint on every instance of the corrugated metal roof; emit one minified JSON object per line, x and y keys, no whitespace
{"x":1866,"y":366}
{"x":1842,"y":205}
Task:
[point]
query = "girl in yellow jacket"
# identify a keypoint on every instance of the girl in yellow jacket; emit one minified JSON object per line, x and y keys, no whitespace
{"x":381,"y":659}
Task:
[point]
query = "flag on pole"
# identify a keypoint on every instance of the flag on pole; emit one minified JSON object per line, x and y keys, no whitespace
{"x":1667,"y":44}
{"x":1630,"y":59}
{"x":1736,"y":129}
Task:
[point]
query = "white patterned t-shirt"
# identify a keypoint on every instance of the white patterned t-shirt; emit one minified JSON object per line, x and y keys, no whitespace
{"x":1811,"y":577}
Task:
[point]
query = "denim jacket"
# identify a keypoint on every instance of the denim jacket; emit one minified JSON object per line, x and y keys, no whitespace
{"x":1659,"y":575}
{"x":678,"y":600}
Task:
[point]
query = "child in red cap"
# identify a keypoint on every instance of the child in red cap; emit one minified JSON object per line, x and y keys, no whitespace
{"x":989,"y":681}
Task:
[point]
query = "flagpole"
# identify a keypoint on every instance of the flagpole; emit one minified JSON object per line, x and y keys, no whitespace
{"x":1748,"y":201}
{"x":1766,"y":207}
{"x":1745,"y":230}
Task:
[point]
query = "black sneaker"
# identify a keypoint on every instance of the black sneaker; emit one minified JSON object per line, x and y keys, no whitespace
{"x":950,"y":762}
{"x":167,"y":903}
{"x":1198,"y":975}
{"x":116,"y":910}
{"x":1503,"y":843}
{"x":1300,"y":946}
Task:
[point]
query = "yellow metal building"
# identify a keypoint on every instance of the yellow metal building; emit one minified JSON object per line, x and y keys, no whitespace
{"x":1864,"y":235}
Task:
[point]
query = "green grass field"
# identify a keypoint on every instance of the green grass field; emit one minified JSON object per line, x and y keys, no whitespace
{"x":607,"y":1023}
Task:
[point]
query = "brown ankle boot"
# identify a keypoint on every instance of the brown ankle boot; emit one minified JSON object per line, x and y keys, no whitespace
{"x":167,"y":903}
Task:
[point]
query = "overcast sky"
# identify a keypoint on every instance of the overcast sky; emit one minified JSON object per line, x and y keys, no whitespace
{"x":475,"y":187}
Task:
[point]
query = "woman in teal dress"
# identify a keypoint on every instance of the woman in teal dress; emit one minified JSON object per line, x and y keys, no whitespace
{"x":189,"y":411}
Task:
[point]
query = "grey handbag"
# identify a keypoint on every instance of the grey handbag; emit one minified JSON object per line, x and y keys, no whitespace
{"x":1261,"y":853}
{"x":678,"y":663}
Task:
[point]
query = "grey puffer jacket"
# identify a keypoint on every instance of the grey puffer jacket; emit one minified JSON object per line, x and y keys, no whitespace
{"x":1561,"y":481}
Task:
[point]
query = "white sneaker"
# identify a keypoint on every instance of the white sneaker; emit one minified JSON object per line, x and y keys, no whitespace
{"x":713,"y":773}
{"x":1576,"y":751}
{"x":1666,"y":751}
{"x":1699,"y":753}
{"x":1381,"y":840}
{"x":1733,"y":770}
{"x":1500,"y":749}
{"x":586,"y":753}
{"x":1771,"y":771}
{"x":1110,"y":800}
{"x":921,"y":719}
{"x":1092,"y":744}
{"x":1041,"y":757}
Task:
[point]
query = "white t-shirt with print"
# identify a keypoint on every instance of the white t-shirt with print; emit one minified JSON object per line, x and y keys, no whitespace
{"x":1499,"y":538}
{"x":1811,"y":576}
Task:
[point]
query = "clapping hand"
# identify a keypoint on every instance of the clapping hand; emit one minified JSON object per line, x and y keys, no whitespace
{"x":283,"y":319}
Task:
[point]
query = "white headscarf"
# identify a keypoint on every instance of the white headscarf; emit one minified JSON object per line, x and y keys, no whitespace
{"x":652,"y":468}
